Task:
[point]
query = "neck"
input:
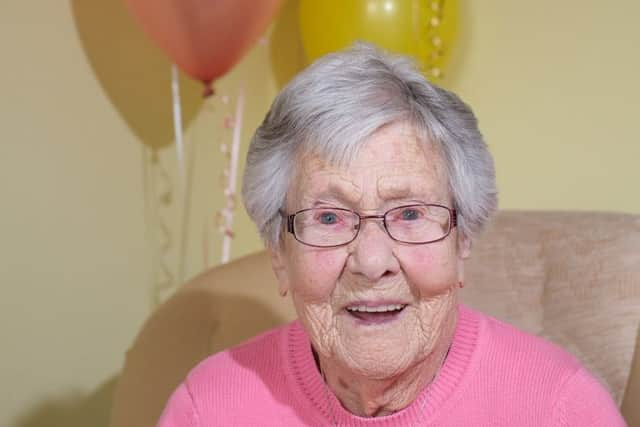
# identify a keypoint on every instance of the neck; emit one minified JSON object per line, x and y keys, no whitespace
{"x":368,"y":397}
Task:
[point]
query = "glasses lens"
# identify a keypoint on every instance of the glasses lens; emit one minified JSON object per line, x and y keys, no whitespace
{"x":325,"y":226}
{"x":418,"y":223}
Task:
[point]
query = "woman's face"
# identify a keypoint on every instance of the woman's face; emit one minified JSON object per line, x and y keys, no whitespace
{"x":415,"y":285}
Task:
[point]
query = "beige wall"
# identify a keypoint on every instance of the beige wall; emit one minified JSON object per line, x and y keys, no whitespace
{"x":85,"y":103}
{"x":554,"y":84}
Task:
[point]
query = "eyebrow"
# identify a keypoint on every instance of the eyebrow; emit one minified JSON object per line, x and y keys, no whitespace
{"x":401,"y":186}
{"x":340,"y":190}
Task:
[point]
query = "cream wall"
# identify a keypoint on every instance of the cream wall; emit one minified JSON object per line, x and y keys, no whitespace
{"x":82,"y":95}
{"x":554,"y":84}
{"x":84,"y":102}
{"x":73,"y":259}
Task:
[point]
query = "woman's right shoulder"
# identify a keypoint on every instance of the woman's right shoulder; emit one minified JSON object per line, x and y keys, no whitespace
{"x":235,"y":386}
{"x":259,"y":356}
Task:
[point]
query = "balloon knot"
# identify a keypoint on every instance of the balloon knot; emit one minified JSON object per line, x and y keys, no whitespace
{"x":208,"y":89}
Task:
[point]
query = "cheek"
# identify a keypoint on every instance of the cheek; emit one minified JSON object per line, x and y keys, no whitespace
{"x":430,"y":271}
{"x":317,"y":273}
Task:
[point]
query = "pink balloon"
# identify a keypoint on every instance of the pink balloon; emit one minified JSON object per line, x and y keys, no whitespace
{"x":205,"y":38}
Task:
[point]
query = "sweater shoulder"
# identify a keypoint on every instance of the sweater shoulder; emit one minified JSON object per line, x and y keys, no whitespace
{"x":522,"y":364}
{"x":586,"y":403}
{"x":248,"y":375}
{"x":556,"y":376}
{"x":523,"y":348}
{"x":249,"y":369}
{"x":257,"y":353}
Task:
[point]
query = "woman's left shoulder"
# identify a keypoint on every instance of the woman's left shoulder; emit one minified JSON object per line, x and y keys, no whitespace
{"x":512,"y":345}
{"x":544,"y":383}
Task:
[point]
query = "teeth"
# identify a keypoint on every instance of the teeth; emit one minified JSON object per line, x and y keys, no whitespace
{"x":378,"y":309}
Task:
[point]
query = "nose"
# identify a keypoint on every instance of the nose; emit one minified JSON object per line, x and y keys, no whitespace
{"x":371,"y":253}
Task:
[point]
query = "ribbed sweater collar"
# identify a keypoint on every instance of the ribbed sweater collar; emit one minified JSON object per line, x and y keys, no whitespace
{"x":309,"y":385}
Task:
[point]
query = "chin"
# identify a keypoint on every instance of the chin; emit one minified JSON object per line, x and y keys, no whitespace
{"x":382,"y":351}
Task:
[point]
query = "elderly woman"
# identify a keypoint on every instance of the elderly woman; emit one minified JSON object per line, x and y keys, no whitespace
{"x":368,"y":184}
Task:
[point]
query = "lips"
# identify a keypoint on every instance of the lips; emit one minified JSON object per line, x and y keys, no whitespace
{"x":375,"y":314}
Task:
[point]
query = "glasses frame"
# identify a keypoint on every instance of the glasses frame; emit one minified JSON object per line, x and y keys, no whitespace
{"x":453,"y":222}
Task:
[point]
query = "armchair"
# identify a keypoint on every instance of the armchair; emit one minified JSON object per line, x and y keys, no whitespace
{"x":572,"y":277}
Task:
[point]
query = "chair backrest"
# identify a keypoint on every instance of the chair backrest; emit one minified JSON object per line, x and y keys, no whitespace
{"x":571,"y":277}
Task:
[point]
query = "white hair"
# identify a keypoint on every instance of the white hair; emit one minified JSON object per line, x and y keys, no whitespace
{"x":333,"y":106}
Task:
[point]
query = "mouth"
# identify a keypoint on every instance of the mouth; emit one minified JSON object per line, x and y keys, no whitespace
{"x":369,"y":314}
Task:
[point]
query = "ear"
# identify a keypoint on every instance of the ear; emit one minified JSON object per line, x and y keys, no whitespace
{"x":279,"y":268}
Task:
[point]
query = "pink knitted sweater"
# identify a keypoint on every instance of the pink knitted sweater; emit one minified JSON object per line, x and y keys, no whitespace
{"x":494,"y":375}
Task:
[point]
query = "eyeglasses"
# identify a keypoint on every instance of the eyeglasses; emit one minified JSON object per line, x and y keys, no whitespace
{"x":328,"y":227}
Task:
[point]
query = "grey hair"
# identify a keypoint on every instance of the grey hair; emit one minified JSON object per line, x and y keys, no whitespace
{"x":333,"y":106}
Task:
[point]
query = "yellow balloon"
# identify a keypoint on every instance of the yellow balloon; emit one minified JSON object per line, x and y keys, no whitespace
{"x":425,"y":30}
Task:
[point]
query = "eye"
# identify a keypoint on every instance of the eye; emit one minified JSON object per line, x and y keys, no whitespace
{"x":410,"y":214}
{"x":328,"y":218}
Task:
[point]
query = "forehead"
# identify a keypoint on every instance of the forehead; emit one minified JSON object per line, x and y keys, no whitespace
{"x":394,"y":162}
{"x":398,"y":143}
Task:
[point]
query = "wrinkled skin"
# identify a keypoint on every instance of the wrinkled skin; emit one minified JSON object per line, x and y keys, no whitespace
{"x":375,"y":369}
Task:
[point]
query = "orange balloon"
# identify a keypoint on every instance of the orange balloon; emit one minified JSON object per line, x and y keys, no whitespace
{"x":205,"y":38}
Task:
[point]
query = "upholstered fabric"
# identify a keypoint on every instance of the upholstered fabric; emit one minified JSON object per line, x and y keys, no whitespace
{"x":571,"y":277}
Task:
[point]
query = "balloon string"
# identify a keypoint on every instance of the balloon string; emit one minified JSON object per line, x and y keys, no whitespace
{"x":165,"y":282}
{"x":432,"y":37}
{"x":162,"y":190}
{"x":177,"y":123}
{"x":180,"y":155}
{"x":205,"y":245}
{"x":233,"y":172}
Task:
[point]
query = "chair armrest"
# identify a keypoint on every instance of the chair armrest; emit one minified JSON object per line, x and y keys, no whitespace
{"x":631,"y":403}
